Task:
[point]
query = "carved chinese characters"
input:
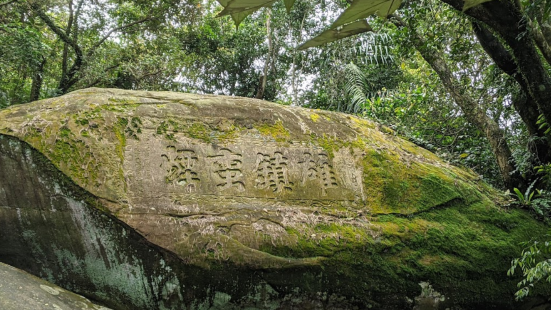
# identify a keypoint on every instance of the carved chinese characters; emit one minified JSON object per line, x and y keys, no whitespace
{"x":317,"y":168}
{"x":272,"y":172}
{"x":228,"y":170}
{"x":231,"y":171}
{"x":180,"y":164}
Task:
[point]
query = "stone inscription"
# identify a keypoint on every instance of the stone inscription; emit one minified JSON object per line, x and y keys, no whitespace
{"x":132,"y":127}
{"x":272,"y":173}
{"x":307,"y":173}
{"x":227,"y":167}
{"x":180,"y":165}
{"x":316,"y":167}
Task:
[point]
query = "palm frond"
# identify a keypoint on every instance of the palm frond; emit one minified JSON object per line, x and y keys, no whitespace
{"x":354,"y":87}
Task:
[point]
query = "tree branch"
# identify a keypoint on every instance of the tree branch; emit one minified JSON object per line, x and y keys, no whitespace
{"x":473,"y":112}
{"x":96,"y":81}
{"x":68,"y":79}
{"x":58,"y":31}
{"x":141,"y":78}
{"x":542,"y":44}
{"x":100,"y":42}
{"x":75,"y":23}
{"x":66,"y":46}
{"x":8,"y":3}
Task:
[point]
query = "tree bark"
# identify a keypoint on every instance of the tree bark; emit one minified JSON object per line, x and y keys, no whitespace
{"x":264,"y":76}
{"x":543,"y":27}
{"x":472,"y":111}
{"x":8,"y":3}
{"x":70,"y":76}
{"x":65,"y":56}
{"x":505,"y":19}
{"x":37,"y":80}
{"x":542,"y":43}
{"x":525,"y":104}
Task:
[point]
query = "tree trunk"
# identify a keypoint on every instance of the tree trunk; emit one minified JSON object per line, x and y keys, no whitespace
{"x":506,"y":20}
{"x":65,"y":55}
{"x":264,"y":76}
{"x":70,"y":78}
{"x":525,"y":104}
{"x":472,"y":111}
{"x":37,"y":81}
{"x":542,"y":43}
{"x":477,"y":116}
{"x":544,"y":28}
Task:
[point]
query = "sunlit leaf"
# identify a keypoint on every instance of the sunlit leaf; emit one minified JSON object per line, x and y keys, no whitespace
{"x":337,"y":34}
{"x":470,"y":3}
{"x":360,"y":9}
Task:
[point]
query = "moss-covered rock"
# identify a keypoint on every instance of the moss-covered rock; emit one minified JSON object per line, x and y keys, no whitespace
{"x":263,"y":206}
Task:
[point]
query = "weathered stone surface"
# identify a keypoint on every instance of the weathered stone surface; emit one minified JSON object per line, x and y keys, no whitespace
{"x":210,"y":201}
{"x":20,"y":290}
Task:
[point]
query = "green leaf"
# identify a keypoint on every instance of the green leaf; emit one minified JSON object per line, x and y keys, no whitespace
{"x":530,"y":197}
{"x":360,"y":9}
{"x":223,"y":3}
{"x":331,"y":35}
{"x":470,"y":3}
{"x":519,"y":194}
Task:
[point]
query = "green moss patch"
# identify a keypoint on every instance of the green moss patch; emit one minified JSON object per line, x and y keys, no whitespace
{"x":276,"y":131}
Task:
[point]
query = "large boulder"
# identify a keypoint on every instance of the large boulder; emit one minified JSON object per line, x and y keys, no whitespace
{"x":159,"y":200}
{"x":20,"y":290}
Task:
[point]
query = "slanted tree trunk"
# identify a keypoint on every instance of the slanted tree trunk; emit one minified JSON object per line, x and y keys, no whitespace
{"x":542,"y":43}
{"x":545,"y":27}
{"x":68,"y":78}
{"x":505,"y":19}
{"x":475,"y":114}
{"x":527,"y":110}
{"x":294,"y":80}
